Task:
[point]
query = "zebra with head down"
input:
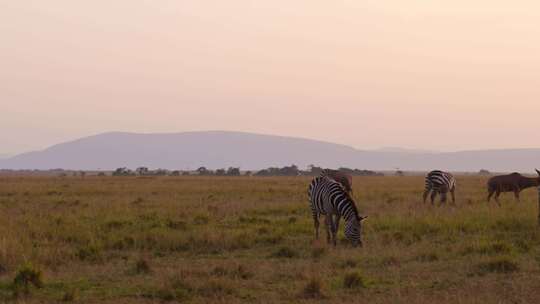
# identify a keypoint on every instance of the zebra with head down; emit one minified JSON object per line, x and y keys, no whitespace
{"x":329,"y":198}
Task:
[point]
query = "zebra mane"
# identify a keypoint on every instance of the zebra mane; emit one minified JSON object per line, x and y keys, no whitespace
{"x":347,"y":195}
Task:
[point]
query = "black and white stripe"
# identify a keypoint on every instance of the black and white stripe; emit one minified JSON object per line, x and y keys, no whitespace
{"x":440,"y":182}
{"x":329,"y":198}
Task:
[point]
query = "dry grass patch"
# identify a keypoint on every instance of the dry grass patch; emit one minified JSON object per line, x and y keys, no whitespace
{"x":247,"y":239}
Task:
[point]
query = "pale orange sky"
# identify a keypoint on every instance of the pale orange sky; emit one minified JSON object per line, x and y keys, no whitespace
{"x":443,"y":75}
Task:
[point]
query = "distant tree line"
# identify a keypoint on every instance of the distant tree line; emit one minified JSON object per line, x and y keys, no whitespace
{"x":144,"y":171}
{"x":484,"y":172}
{"x":291,"y":170}
{"x":275,"y":171}
{"x":314,"y":170}
{"x":232,"y":171}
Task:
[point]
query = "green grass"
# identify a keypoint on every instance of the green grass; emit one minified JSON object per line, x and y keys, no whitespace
{"x":249,"y":239}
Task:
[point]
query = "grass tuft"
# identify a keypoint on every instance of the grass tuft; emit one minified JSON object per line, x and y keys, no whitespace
{"x":142,"y":267}
{"x":285,"y":252}
{"x":26,"y":277}
{"x":177,"y":225}
{"x":239,"y":272}
{"x":318,"y":252}
{"x":242,"y":273}
{"x":91,"y":253}
{"x":354,"y":280}
{"x":70,"y":295}
{"x":348,"y":263}
{"x":220,"y":271}
{"x":427,"y":257}
{"x":215,"y":289}
{"x":201,"y":220}
{"x":175,"y":290}
{"x":498,"y":265}
{"x":313,"y":289}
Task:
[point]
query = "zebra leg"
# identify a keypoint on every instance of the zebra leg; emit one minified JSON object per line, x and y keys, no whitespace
{"x":316,"y":224}
{"x":336,"y":228}
{"x":330,"y":229}
{"x":426,"y":193}
{"x":338,"y":218}
{"x":328,"y":224}
{"x":443,"y":198}
{"x":453,"y":193}
{"x":333,"y":230}
{"x":433,"y":195}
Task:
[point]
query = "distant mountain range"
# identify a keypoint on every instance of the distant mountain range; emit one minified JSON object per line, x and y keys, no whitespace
{"x":404,"y":150}
{"x":220,"y":149}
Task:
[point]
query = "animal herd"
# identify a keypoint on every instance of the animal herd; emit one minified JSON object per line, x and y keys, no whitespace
{"x":330,"y":194}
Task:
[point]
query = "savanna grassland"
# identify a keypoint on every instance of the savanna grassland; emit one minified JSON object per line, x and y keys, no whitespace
{"x":250,"y":239}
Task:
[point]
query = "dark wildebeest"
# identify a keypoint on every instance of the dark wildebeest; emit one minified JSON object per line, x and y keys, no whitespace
{"x":343,"y":178}
{"x":514,"y":182}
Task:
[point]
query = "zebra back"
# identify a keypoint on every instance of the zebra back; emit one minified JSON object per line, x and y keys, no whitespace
{"x":327,"y":194}
{"x":440,"y":180}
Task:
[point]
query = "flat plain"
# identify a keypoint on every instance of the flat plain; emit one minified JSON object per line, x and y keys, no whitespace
{"x":251,"y":239}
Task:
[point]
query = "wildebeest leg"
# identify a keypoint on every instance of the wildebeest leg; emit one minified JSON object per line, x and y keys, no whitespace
{"x":433,"y":194}
{"x":490,"y":194}
{"x":497,"y":193}
{"x":516,"y":194}
{"x":426,"y":193}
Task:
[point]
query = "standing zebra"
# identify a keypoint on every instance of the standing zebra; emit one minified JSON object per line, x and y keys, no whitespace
{"x":440,"y":182}
{"x":329,"y":198}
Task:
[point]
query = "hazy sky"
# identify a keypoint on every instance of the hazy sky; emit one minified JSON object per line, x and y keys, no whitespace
{"x":447,"y":75}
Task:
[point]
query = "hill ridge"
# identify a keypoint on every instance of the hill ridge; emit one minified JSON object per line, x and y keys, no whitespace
{"x":251,"y":151}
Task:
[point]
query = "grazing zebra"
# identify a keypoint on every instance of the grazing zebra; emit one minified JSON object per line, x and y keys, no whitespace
{"x":440,"y":182}
{"x":343,"y":178}
{"x":329,"y":198}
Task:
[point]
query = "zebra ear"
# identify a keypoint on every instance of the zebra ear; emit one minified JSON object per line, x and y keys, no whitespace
{"x":537,"y":171}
